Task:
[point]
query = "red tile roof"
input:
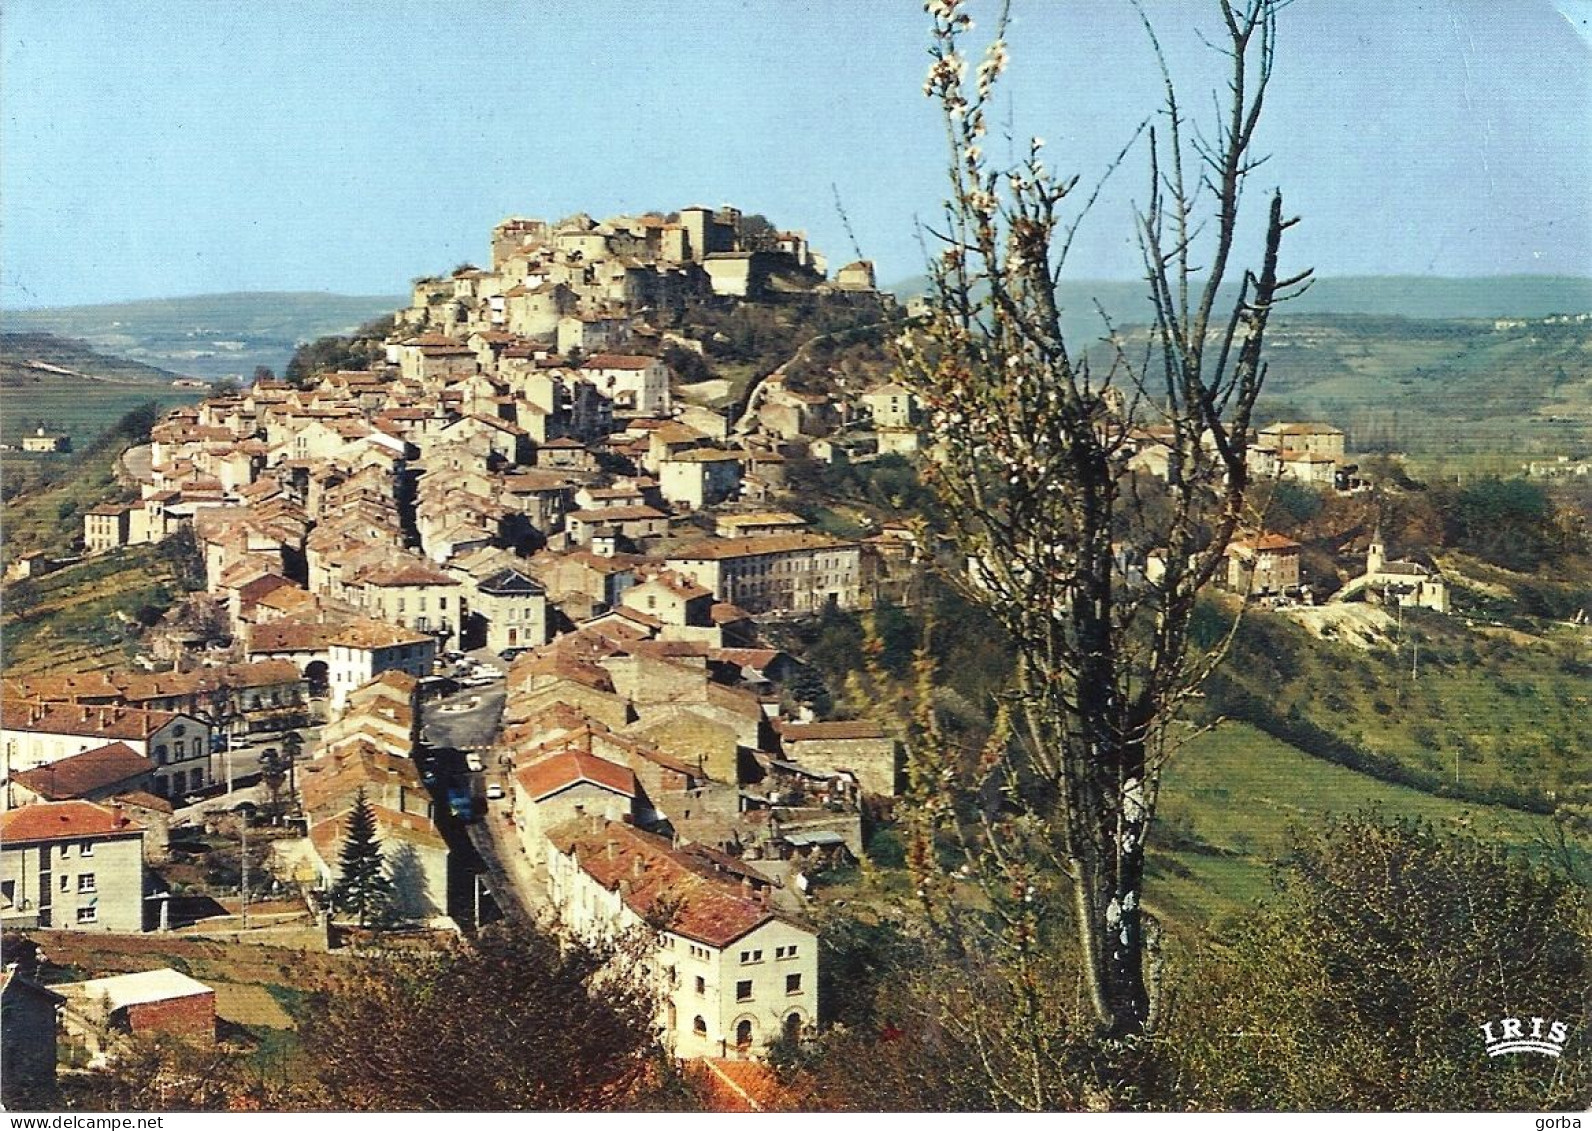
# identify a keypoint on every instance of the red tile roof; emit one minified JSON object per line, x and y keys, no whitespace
{"x":64,"y":820}
{"x":617,"y":361}
{"x":103,"y":766}
{"x":561,"y":771}
{"x":651,"y":876}
{"x":78,"y":719}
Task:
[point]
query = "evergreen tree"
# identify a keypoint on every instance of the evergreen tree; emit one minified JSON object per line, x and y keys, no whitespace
{"x":363,"y":888}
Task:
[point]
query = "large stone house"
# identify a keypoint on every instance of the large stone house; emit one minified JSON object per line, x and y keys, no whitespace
{"x":510,"y":609}
{"x":735,"y":973}
{"x":1264,"y":565}
{"x":800,"y":573}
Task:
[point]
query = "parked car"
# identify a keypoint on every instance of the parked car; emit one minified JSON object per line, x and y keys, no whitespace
{"x":511,"y":654}
{"x":494,"y":791}
{"x":460,"y":803}
{"x":473,"y":760}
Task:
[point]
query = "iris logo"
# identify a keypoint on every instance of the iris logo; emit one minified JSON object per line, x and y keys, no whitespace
{"x":1546,"y":1037}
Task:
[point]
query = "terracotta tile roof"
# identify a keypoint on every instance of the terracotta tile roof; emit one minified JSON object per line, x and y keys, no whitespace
{"x":678,"y":584}
{"x":559,"y":772}
{"x":1264,"y":543}
{"x":706,"y":455}
{"x":651,"y":876}
{"x":617,"y":361}
{"x":723,"y":612}
{"x":313,"y":636}
{"x":564,"y":666}
{"x":64,"y":820}
{"x":83,"y":773}
{"x":616,"y":514}
{"x":138,"y":799}
{"x":399,"y":681}
{"x":761,"y":518}
{"x":327,"y":836}
{"x":80,"y":719}
{"x":406,"y":573}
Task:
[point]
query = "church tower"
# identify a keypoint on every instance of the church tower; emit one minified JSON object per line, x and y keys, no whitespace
{"x":1376,"y":553}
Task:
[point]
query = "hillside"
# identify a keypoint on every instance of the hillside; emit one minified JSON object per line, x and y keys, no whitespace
{"x":64,"y":385}
{"x":28,"y":358}
{"x":1452,"y":387}
{"x":208,"y":335}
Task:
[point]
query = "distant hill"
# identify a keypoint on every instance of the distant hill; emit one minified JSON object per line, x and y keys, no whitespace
{"x":1503,"y":296}
{"x":208,"y":336}
{"x":64,"y":385}
{"x":28,"y":358}
{"x":1437,"y":388}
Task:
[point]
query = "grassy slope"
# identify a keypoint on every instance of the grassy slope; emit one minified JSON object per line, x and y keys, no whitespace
{"x":1506,"y":711}
{"x":80,"y":617}
{"x":82,"y":406}
{"x":1235,"y":791}
{"x":18,"y":350}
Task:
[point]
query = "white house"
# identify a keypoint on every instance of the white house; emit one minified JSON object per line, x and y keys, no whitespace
{"x":735,"y":973}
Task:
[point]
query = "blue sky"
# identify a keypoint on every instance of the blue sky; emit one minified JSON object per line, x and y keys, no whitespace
{"x":150,"y":150}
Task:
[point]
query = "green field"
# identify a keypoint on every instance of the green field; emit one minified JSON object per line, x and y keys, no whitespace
{"x":1235,"y":791}
{"x":1490,"y":715}
{"x":81,"y":409}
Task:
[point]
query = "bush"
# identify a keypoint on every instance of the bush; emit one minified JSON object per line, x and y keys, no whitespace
{"x":1365,"y":983}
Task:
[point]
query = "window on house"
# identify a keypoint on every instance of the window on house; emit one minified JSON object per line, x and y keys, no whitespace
{"x":743,"y":990}
{"x":85,"y":881}
{"x":87,"y":914}
{"x":160,"y":755}
{"x":793,"y":983}
{"x":699,"y":1026}
{"x":8,"y":893}
{"x":66,"y":882}
{"x":85,"y":848}
{"x":743,"y":1033}
{"x":701,"y":984}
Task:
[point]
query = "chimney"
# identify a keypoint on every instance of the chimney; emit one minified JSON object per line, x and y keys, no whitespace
{"x":639,"y":866}
{"x":613,"y":851}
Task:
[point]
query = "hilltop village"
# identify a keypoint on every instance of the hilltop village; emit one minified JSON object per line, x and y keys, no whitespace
{"x":519,"y":589}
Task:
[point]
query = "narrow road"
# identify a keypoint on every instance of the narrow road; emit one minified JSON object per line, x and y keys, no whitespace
{"x":511,"y":880}
{"x":137,"y":464}
{"x":743,"y":425}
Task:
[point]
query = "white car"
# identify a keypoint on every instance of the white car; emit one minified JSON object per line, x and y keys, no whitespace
{"x":474,"y":762}
{"x":494,"y":792}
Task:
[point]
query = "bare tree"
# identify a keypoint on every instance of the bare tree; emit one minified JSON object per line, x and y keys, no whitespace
{"x":1033,"y":439}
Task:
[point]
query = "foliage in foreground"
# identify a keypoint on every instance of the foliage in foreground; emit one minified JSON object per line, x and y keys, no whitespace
{"x":1362,"y":985}
{"x":509,"y":1022}
{"x":512,"y":1023}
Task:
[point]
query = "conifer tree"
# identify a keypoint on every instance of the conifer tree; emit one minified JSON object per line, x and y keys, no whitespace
{"x":363,"y":889}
